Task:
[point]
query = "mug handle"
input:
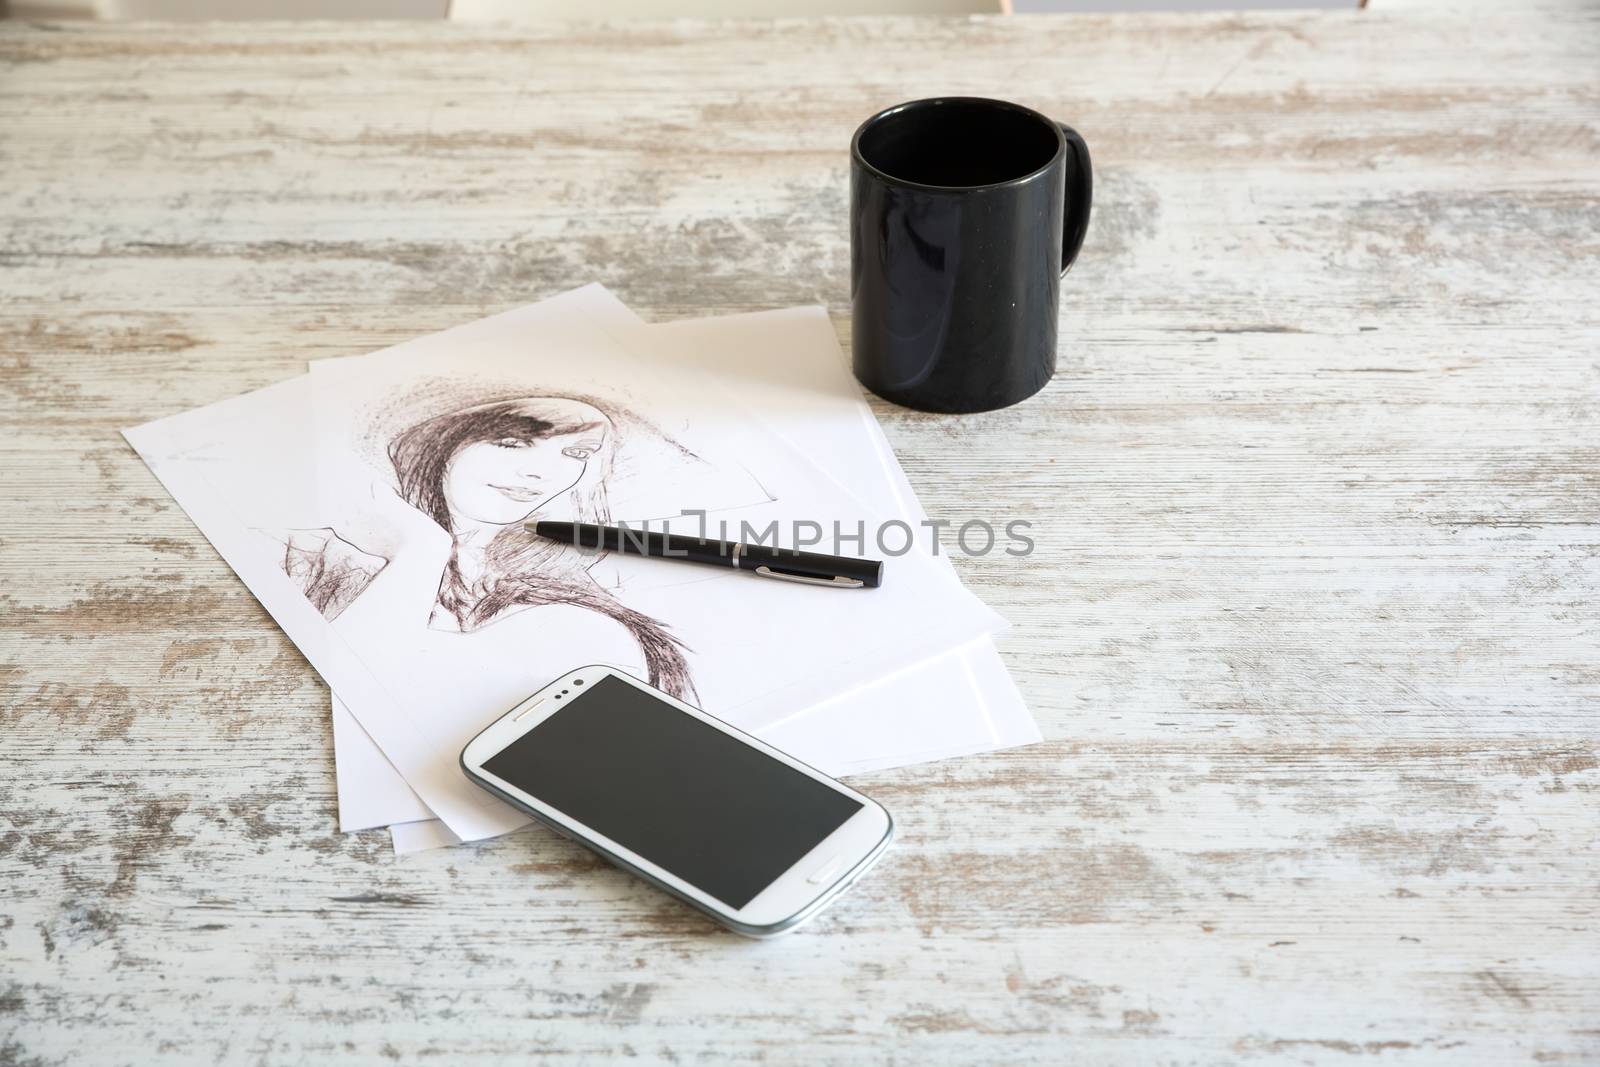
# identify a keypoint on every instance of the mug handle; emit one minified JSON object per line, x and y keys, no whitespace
{"x":1079,"y":193}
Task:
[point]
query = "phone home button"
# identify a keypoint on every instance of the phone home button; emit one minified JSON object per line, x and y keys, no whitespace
{"x":828,"y":870}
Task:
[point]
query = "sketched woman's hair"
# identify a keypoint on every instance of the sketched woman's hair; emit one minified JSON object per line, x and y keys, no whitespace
{"x":523,"y":570}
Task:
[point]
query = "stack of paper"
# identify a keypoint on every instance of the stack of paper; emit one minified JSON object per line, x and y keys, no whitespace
{"x":375,"y":507}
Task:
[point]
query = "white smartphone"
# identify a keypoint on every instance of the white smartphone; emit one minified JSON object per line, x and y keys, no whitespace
{"x":750,"y":836}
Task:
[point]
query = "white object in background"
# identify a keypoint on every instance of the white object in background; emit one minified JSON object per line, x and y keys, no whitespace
{"x":1111,"y":7}
{"x":275,"y":10}
{"x":554,"y":10}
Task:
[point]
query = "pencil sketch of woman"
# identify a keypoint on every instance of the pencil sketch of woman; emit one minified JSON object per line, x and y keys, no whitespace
{"x":450,"y":546}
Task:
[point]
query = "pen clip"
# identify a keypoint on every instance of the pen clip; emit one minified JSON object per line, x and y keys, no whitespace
{"x":838,"y":581}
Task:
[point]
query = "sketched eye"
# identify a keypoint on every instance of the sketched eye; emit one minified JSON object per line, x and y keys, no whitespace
{"x":509,"y":442}
{"x":577,"y":452}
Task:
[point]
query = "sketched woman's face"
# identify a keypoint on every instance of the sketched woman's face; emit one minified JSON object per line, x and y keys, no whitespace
{"x":503,"y":481}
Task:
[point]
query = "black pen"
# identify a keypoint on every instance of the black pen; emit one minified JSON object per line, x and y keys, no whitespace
{"x":789,"y":564}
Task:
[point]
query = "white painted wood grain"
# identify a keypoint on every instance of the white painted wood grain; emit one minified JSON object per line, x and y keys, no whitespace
{"x":1311,"y":626}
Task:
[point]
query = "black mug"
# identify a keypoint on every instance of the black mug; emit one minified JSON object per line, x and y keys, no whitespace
{"x":964,"y":215}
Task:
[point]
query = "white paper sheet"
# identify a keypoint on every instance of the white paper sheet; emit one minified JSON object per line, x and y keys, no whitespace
{"x":957,"y":704}
{"x":248,"y":472}
{"x":953,"y":704}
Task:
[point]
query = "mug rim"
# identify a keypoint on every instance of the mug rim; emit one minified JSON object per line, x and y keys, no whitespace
{"x":935,"y":101}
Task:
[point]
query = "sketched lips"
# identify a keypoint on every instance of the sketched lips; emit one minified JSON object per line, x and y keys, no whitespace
{"x":523,"y":494}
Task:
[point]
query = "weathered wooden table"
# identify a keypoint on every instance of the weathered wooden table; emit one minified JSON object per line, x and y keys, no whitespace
{"x":1311,"y":628}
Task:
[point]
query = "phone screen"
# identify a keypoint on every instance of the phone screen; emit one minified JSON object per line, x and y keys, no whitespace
{"x":721,"y":815}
